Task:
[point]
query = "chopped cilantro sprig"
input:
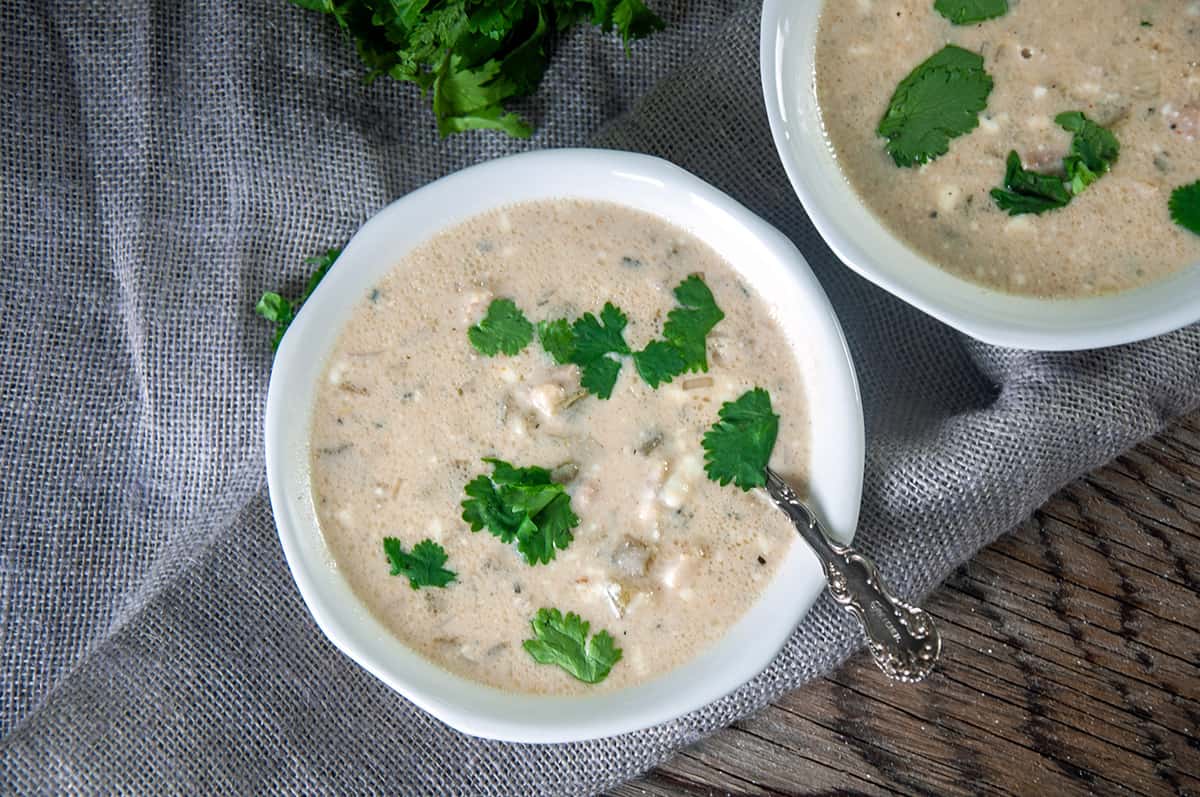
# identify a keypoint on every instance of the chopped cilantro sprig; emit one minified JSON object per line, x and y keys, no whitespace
{"x":1094,"y":150}
{"x":685,"y":347}
{"x":521,"y":505}
{"x":1027,"y":191}
{"x":504,"y":329}
{"x":596,"y":344}
{"x":474,"y":56}
{"x":589,"y":343}
{"x":281,"y":311}
{"x":563,"y":641}
{"x":422,"y":566}
{"x":738,"y":446}
{"x":939,"y":100}
{"x":1185,"y":206}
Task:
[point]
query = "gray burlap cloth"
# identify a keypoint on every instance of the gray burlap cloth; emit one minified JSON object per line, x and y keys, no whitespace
{"x":163,"y":164}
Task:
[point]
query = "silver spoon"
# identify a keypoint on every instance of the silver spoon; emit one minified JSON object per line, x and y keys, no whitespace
{"x":901,"y":637}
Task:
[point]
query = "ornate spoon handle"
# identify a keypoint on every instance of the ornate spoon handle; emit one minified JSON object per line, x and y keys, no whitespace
{"x":901,"y":637}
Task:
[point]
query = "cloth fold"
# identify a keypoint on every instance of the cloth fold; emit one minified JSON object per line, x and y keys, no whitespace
{"x":165,"y":163}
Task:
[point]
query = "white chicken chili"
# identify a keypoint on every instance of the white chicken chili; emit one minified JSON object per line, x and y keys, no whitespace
{"x":662,"y":558}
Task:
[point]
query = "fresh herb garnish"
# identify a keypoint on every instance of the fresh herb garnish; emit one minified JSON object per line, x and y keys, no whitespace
{"x":591,"y":342}
{"x":1027,"y":191}
{"x":281,"y":311}
{"x":1093,"y":152}
{"x":474,"y":55}
{"x":686,"y":332}
{"x":422,"y":567}
{"x":557,"y":339}
{"x":522,"y":505}
{"x":1185,"y":206}
{"x":939,"y":100}
{"x":564,"y":641}
{"x":588,"y":343}
{"x":504,"y":329}
{"x":968,"y":12}
{"x":659,"y":362}
{"x":738,"y":446}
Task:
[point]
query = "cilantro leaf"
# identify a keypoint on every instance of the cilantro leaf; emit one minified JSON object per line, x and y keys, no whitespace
{"x":633,"y":20}
{"x":468,"y":99}
{"x":281,"y":311}
{"x":484,"y":508}
{"x":521,"y":505}
{"x":659,"y":362}
{"x":274,"y":307}
{"x":563,"y":641}
{"x":686,"y":332}
{"x":1185,"y":206}
{"x":594,"y":338}
{"x":599,"y":376}
{"x":504,"y":329}
{"x":422,"y":567}
{"x":1026,"y":191}
{"x":968,"y":12}
{"x":738,"y":446}
{"x":551,"y":530}
{"x":939,"y":100}
{"x":557,"y":339}
{"x":504,"y":473}
{"x":688,"y":326}
{"x":473,"y":56}
{"x":1094,"y":150}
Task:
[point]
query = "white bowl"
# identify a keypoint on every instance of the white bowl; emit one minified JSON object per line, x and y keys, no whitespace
{"x":758,"y":252}
{"x":787,"y":46}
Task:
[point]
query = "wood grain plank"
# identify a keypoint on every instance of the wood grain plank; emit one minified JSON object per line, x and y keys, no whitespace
{"x":686,"y":775}
{"x":989,"y":664}
{"x":1071,"y":665}
{"x":773,"y":764}
{"x":1069,"y":659}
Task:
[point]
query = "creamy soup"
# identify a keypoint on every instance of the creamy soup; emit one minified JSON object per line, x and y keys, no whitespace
{"x":663,"y":559}
{"x":1132,"y":66}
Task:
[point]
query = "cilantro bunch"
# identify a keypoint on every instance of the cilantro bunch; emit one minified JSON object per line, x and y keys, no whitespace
{"x":473,"y":56}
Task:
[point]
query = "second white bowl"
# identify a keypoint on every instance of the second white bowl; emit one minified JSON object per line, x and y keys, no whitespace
{"x":787,"y":47}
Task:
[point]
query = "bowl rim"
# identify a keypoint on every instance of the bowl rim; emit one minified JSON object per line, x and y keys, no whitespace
{"x":1063,"y":324}
{"x":465,"y":705}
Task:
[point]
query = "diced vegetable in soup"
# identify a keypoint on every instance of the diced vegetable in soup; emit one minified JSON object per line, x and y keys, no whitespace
{"x":583,"y":350}
{"x":1054,"y":170}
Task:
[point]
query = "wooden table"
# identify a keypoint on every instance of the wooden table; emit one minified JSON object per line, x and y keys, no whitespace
{"x":1071,"y":665}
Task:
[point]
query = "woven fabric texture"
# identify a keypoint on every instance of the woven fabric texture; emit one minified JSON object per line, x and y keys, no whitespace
{"x":162,"y":164}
